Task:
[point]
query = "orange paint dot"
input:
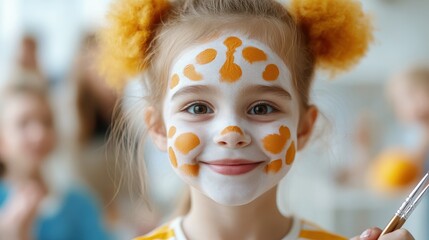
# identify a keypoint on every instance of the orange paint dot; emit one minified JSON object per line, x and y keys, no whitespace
{"x":252,"y":54}
{"x":274,"y":166}
{"x":232,"y":129}
{"x":174,"y":81}
{"x":171,"y":132}
{"x":207,"y":56}
{"x":271,"y":73}
{"x":190,"y":169}
{"x":172,"y":156}
{"x":191,"y":73}
{"x":290,"y":154}
{"x":187,"y":142}
{"x":231,"y":72}
{"x":274,"y":143}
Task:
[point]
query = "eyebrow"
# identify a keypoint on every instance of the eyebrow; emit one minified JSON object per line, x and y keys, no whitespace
{"x":274,"y":90}
{"x":195,"y":89}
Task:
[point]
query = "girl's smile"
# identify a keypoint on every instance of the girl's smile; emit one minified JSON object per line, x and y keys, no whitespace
{"x":232,"y":166}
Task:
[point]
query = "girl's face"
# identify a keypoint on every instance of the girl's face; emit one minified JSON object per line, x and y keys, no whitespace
{"x":26,"y":132}
{"x":231,"y":114}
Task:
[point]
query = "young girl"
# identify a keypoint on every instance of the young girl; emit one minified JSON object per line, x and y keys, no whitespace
{"x":30,"y":208}
{"x":228,"y":85}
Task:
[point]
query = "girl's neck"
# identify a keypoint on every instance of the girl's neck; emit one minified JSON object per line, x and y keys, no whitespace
{"x":259,"y":219}
{"x":16,"y":178}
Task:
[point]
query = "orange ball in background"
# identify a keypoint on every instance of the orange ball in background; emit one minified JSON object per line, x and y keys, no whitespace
{"x":393,"y":169}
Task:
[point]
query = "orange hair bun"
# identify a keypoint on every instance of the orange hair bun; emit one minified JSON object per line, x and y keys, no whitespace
{"x":126,"y":40}
{"x":339,"y":32}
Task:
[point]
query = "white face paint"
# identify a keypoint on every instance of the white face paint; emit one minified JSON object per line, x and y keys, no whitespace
{"x":232,"y":114}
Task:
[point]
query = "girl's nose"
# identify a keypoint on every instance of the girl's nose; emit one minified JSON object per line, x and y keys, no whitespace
{"x":232,"y":137}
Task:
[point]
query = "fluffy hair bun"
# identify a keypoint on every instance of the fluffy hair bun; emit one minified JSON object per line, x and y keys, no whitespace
{"x":338,"y":31}
{"x":126,"y":40}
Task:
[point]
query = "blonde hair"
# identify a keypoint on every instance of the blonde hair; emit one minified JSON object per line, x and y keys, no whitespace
{"x":143,"y":36}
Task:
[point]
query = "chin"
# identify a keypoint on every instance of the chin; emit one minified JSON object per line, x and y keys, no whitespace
{"x":233,"y":201}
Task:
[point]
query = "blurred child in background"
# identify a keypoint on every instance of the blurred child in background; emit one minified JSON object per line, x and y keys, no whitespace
{"x":398,"y":167}
{"x":95,"y":101}
{"x":409,"y":95}
{"x":30,"y":206}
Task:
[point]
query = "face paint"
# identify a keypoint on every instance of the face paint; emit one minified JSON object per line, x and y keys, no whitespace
{"x":174,"y":81}
{"x":232,"y":119}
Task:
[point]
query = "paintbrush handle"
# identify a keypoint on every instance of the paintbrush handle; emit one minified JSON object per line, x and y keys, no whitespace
{"x":395,"y":223}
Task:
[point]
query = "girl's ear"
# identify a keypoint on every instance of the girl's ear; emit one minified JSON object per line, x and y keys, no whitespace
{"x":306,"y":125}
{"x":156,"y":128}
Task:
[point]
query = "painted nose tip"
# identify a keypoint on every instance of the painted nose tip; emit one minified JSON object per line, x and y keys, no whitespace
{"x":233,"y":140}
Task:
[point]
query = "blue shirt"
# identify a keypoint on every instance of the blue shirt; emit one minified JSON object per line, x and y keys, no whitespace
{"x":77,"y":217}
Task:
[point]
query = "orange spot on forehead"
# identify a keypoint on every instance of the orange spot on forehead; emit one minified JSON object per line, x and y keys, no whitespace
{"x":232,"y":43}
{"x":174,"y":81}
{"x":186,"y":142}
{"x":274,"y":166}
{"x":274,"y":143}
{"x":191,"y":73}
{"x":231,"y":72}
{"x":171,"y":132}
{"x":190,"y":169}
{"x":172,"y":156}
{"x":207,"y":56}
{"x":230,"y":129}
{"x":290,"y":154}
{"x":271,"y":73}
{"x":252,"y":54}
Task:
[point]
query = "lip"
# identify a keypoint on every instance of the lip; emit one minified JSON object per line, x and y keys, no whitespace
{"x":232,"y":166}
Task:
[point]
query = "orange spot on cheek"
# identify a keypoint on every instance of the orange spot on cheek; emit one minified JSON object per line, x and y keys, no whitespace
{"x":274,"y":166}
{"x":174,"y":81}
{"x":232,"y":129}
{"x":187,"y":142}
{"x":207,"y":56}
{"x":275,"y":143}
{"x":171,"y":132}
{"x":190,"y":170}
{"x":290,"y":154}
{"x":191,"y":73}
{"x":172,"y":156}
{"x":271,"y":73}
{"x":252,"y":54}
{"x":231,"y":72}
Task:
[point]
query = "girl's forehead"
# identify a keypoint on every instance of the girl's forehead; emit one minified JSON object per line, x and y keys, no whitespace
{"x":231,"y":61}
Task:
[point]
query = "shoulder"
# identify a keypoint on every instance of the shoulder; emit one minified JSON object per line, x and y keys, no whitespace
{"x":168,"y":231}
{"x":310,"y":231}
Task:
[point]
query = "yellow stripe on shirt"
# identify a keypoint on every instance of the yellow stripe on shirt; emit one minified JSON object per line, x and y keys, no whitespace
{"x":319,"y":235}
{"x":163,"y":233}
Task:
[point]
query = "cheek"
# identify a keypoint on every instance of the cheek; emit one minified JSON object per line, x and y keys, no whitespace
{"x":187,"y":142}
{"x":275,"y":142}
{"x":280,"y":147}
{"x":182,"y":151}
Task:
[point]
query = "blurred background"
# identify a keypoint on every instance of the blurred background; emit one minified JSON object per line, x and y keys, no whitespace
{"x":363,"y":160}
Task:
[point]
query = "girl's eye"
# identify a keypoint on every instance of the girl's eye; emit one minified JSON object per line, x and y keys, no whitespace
{"x":199,"y":108}
{"x":261,"y":109}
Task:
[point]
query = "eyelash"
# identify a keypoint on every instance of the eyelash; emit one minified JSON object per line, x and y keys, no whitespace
{"x":193,"y":104}
{"x":274,"y":109}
